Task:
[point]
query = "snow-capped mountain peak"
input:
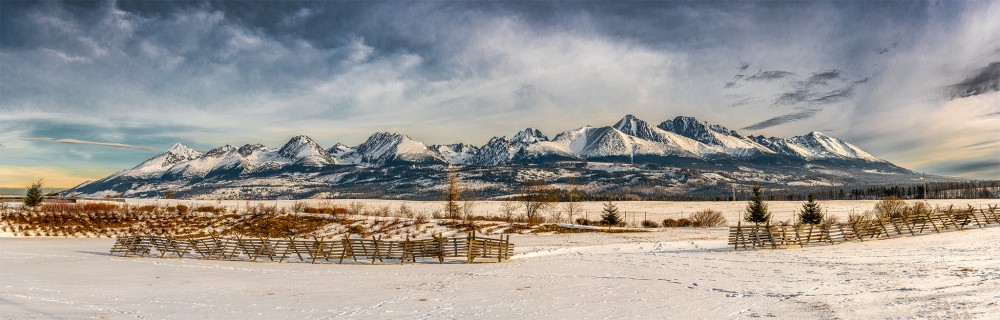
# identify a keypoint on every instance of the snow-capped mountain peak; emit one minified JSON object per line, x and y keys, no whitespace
{"x":178,"y":153}
{"x":220,"y":151}
{"x":248,"y":149}
{"x":823,"y":146}
{"x":305,"y":151}
{"x":681,"y":142}
{"x":721,"y":138}
{"x":528,"y":136}
{"x":636,"y":127}
{"x":338,"y":150}
{"x":182,"y":151}
{"x":384,"y":148}
{"x":458,"y":153}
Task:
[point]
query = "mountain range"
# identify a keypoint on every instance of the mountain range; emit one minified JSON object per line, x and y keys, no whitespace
{"x":679,"y":155}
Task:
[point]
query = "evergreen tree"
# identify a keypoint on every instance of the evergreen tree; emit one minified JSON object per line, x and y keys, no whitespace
{"x":811,"y":213}
{"x":756,"y":209}
{"x":610,"y":215}
{"x":33,"y":196}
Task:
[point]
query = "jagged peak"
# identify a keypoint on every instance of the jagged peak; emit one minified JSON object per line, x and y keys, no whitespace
{"x":338,"y":147}
{"x":501,"y":138}
{"x":220,"y":150}
{"x":530,"y":135}
{"x":248,"y":149}
{"x":180,"y":152}
{"x":386,"y":134}
{"x":631,"y":123}
{"x":300,"y":140}
{"x":817,"y":134}
{"x":691,"y":125}
{"x":179,"y":148}
{"x":297,"y":142}
{"x":384,"y":138}
{"x":629,"y":117}
{"x":683,"y":123}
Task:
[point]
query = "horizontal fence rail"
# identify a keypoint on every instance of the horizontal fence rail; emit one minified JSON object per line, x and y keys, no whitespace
{"x":317,"y":250}
{"x":785,"y":236}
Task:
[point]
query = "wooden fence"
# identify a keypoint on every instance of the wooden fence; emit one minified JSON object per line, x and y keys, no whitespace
{"x":316,"y":250}
{"x":775,"y":237}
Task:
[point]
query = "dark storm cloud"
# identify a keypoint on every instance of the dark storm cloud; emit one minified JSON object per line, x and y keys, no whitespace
{"x":782,"y":119}
{"x":984,"y":81}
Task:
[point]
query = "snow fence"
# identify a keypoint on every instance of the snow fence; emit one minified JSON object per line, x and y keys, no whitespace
{"x":777,"y":237}
{"x":469,"y":248}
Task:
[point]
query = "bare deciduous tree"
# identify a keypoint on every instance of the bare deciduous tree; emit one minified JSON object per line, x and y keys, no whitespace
{"x":537,"y":197}
{"x":571,"y":208}
{"x":507,"y":210}
{"x":452,"y":193}
{"x":356,"y":207}
{"x":468,"y":205}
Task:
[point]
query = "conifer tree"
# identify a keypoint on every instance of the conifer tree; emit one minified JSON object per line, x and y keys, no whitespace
{"x":33,"y":196}
{"x":756,"y":211}
{"x":610,"y":215}
{"x":811,"y":212}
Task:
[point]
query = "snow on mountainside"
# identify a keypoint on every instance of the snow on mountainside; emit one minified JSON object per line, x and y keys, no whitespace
{"x":630,"y":136}
{"x":384,"y":148}
{"x":723,"y":139}
{"x":591,"y":142}
{"x":815,"y":146}
{"x":338,"y":150}
{"x":158,"y":165}
{"x":678,"y":152}
{"x":527,"y":145}
{"x":224,"y":157}
{"x":304,"y":151}
{"x":528,"y":136}
{"x":642,"y":130}
{"x":498,"y":150}
{"x":456,"y":153}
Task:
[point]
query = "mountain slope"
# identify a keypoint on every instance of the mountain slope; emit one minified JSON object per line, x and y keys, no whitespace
{"x":678,"y":155}
{"x":160,"y":164}
{"x":814,"y":146}
{"x":384,"y":148}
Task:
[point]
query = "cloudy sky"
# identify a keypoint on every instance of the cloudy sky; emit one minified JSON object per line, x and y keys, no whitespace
{"x":90,"y":88}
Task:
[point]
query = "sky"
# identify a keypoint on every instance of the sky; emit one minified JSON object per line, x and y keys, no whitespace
{"x":90,"y":88}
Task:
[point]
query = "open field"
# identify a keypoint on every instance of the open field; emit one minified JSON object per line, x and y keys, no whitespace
{"x":636,"y":210}
{"x":673,"y":273}
{"x":664,"y":273}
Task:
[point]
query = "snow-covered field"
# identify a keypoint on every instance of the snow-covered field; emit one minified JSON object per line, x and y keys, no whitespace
{"x":677,"y":273}
{"x":636,"y":210}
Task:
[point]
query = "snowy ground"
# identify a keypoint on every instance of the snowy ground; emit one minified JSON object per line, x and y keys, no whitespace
{"x":675,"y":273}
{"x":636,"y":210}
